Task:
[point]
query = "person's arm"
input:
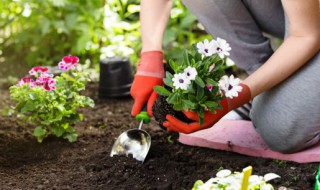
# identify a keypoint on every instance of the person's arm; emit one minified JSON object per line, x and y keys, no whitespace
{"x":154,"y":16}
{"x":302,"y":44}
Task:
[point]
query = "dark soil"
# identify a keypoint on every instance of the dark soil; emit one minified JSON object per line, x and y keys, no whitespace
{"x":161,"y":108}
{"x":86,"y":164}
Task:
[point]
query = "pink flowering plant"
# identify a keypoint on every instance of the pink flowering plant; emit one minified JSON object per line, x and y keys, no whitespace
{"x":50,"y":102}
{"x":198,"y":82}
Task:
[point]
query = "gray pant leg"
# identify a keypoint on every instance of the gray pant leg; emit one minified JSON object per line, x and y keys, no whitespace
{"x":233,"y":21}
{"x":288,"y":116}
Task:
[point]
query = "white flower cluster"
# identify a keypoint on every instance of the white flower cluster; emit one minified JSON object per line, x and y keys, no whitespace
{"x":219,"y":46}
{"x":228,"y":85}
{"x":182,"y":80}
{"x":225,"y":180}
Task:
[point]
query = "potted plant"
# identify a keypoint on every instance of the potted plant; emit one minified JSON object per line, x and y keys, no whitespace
{"x":50,"y":102}
{"x":198,"y":83}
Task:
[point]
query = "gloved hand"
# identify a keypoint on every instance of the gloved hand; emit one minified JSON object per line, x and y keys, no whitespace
{"x":228,"y":104}
{"x":150,"y":73}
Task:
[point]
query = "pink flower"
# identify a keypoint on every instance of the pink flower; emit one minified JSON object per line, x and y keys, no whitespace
{"x":68,"y":62}
{"x":46,"y":81}
{"x":50,"y":84}
{"x":38,"y":69}
{"x":209,"y":87}
{"x":27,"y":80}
{"x":43,"y":78}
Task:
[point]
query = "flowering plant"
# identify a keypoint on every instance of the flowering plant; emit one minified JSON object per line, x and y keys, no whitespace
{"x":198,"y":82}
{"x":50,"y":102}
{"x":226,"y":180}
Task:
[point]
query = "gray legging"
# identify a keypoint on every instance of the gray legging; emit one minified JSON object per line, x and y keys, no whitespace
{"x":288,"y":116}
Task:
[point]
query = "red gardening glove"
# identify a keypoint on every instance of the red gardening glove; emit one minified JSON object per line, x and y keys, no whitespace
{"x":150,"y":73}
{"x":228,"y":104}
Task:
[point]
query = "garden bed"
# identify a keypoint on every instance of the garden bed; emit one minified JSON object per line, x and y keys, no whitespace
{"x":86,"y":164}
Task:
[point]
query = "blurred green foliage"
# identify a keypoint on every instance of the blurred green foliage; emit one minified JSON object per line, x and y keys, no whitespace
{"x":39,"y":32}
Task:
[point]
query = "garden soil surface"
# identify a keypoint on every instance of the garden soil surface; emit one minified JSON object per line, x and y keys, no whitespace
{"x":86,"y":163}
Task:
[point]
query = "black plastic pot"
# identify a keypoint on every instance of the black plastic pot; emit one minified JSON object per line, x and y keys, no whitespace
{"x":116,"y":76}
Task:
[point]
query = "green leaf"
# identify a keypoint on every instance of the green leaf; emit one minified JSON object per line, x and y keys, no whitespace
{"x":177,"y":107}
{"x":192,"y":98}
{"x":200,"y":82}
{"x":200,"y":93}
{"x":174,"y":66}
{"x":172,"y":99}
{"x":29,"y":106}
{"x":161,"y":91}
{"x":168,"y":80}
{"x":72,"y":137}
{"x":197,"y":185}
{"x":58,"y":131}
{"x":188,"y":104}
{"x":201,"y":116}
{"x":186,"y":57}
{"x":187,"y":20}
{"x":40,"y":133}
{"x":211,"y":81}
{"x":211,"y":104}
{"x":33,"y":96}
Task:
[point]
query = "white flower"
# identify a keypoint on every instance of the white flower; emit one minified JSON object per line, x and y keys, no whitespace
{"x":229,"y":62}
{"x":181,"y":81}
{"x":230,"y":86}
{"x":221,"y":47}
{"x":206,"y":48}
{"x":191,"y":72}
{"x":223,"y":173}
{"x":270,"y":176}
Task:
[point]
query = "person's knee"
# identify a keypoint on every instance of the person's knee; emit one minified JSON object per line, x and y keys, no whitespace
{"x":284,"y":138}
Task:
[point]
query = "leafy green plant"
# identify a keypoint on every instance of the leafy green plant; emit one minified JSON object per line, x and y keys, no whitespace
{"x":50,"y":102}
{"x":198,"y":83}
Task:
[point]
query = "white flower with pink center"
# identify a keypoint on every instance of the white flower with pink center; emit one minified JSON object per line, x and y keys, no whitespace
{"x":190,"y":73}
{"x":68,"y":62}
{"x":230,"y":86}
{"x":181,"y":81}
{"x":206,"y":48}
{"x":221,"y":47}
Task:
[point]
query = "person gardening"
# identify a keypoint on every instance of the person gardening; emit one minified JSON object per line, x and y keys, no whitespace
{"x":283,"y":84}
